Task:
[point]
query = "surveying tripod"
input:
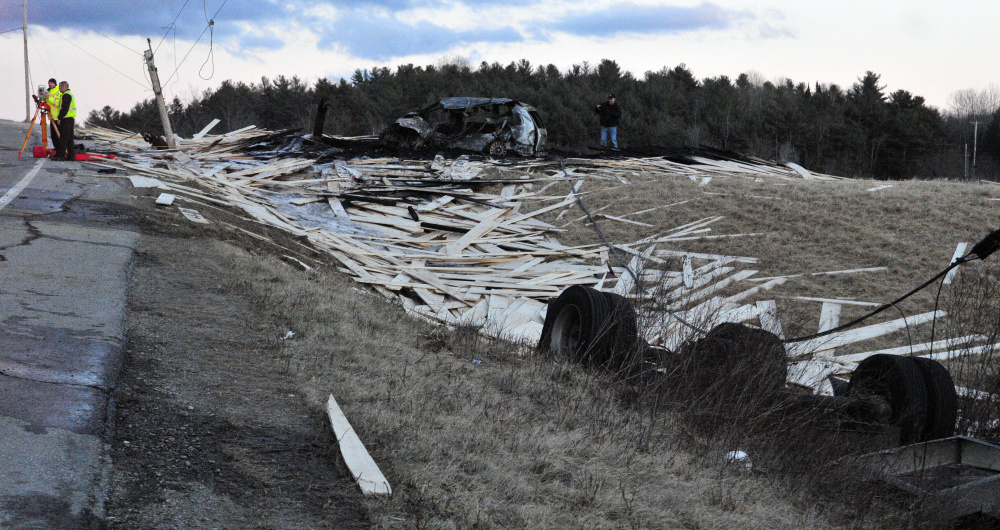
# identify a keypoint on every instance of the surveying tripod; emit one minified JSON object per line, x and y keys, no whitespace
{"x":41,"y":109}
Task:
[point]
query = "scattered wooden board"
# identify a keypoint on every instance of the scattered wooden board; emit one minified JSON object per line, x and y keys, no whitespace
{"x":364,"y":469}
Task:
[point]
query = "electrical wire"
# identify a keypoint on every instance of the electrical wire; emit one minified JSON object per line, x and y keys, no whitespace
{"x":171,"y":26}
{"x":882,"y":307}
{"x":937,"y":298}
{"x":211,"y":45}
{"x":102,"y":62}
{"x":211,"y":24}
{"x":982,"y":250}
{"x":34,"y":44}
{"x":110,"y":39}
{"x":10,"y":30}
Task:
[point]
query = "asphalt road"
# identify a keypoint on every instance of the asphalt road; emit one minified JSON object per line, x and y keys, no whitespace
{"x":63,"y":267}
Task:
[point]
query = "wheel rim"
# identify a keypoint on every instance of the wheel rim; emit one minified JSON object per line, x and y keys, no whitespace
{"x":497,"y":149}
{"x":566,"y":333}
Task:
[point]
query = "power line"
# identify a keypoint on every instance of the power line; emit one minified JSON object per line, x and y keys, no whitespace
{"x":10,"y":30}
{"x":45,"y":62}
{"x":210,"y":25}
{"x":102,"y":62}
{"x":171,"y":26}
{"x":112,"y":40}
{"x":211,"y":43}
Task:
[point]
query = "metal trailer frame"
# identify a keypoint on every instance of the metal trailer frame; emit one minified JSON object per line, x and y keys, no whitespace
{"x":957,"y":476}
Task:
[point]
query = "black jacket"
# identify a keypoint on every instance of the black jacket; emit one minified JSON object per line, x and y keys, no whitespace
{"x":64,"y":109}
{"x":610,"y":113}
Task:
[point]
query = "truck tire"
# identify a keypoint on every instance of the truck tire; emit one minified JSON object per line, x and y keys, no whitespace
{"x":901,"y":383}
{"x":735,"y":363}
{"x":577,"y":325}
{"x":623,"y":335}
{"x":942,"y":400}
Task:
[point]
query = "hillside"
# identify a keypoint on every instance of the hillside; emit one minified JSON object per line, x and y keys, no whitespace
{"x":474,"y":430}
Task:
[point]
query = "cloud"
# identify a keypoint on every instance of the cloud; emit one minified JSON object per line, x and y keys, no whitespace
{"x":381,"y":37}
{"x":261,"y":42}
{"x":149,"y":18}
{"x":631,"y":18}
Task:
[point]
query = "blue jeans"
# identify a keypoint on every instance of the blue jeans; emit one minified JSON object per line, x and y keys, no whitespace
{"x":614,"y":136}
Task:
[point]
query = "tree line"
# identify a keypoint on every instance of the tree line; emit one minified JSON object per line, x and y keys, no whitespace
{"x":856,"y":131}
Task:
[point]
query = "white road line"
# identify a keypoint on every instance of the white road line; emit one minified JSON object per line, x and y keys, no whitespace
{"x":19,"y":187}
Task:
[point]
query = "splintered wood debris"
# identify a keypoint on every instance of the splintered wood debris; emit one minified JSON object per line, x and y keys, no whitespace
{"x":427,"y":234}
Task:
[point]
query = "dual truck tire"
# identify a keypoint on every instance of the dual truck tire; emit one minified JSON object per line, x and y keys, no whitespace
{"x":600,"y":329}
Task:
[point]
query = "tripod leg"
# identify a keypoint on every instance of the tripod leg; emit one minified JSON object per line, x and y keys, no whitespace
{"x":33,"y":118}
{"x":45,"y":132}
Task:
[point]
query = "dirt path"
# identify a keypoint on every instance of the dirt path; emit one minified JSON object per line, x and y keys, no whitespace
{"x":208,"y":431}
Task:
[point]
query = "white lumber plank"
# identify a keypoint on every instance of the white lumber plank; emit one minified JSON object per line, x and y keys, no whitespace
{"x":490,"y":221}
{"x":238,"y":131}
{"x":201,"y":134}
{"x":697,"y":255}
{"x":836,"y":301}
{"x":854,"y":358}
{"x":138,"y":181}
{"x":193,"y":215}
{"x":739,"y":297}
{"x":640,"y":212}
{"x":698,"y":283}
{"x":959,"y":252}
{"x":363,"y":468}
{"x":718,"y":286}
{"x":740,"y":314}
{"x":824,"y":273}
{"x":338,"y":208}
{"x":622,"y":220}
{"x":859,"y":334}
{"x":813,"y":374}
{"x":769,"y":318}
{"x":829,"y":318}
{"x":626,"y":282}
{"x":952,"y":354}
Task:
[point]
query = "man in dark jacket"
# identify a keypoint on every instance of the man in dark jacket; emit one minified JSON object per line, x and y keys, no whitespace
{"x":610,"y":114}
{"x":66,"y":122}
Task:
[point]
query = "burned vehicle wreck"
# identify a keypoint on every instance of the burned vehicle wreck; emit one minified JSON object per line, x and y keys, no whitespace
{"x":493,"y":126}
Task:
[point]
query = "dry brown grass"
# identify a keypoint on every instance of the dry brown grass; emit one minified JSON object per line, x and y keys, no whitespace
{"x":521,"y":441}
{"x":911,"y":228}
{"x":511,"y":442}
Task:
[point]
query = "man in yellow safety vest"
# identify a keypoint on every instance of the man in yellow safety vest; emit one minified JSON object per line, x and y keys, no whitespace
{"x":52,"y":98}
{"x":66,"y":120}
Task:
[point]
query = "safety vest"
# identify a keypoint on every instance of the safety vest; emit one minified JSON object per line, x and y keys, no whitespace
{"x":54,"y":99}
{"x":72,"y":104}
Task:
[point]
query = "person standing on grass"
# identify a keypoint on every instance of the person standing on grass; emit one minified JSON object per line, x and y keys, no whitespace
{"x":610,"y":114}
{"x":66,"y":121}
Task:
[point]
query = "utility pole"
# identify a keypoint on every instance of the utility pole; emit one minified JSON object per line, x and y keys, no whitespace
{"x":155,"y":78}
{"x":27,"y":77}
{"x":966,"y":158}
{"x":975,"y":141}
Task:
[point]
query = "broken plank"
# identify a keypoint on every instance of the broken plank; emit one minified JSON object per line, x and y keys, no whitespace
{"x":363,"y":468}
{"x":959,"y":252}
{"x":908,"y":350}
{"x":193,"y":215}
{"x":769,"y":318}
{"x":829,"y":318}
{"x":201,"y":134}
{"x":860,"y":334}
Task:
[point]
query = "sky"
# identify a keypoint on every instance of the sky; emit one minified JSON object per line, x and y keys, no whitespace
{"x":930,"y":48}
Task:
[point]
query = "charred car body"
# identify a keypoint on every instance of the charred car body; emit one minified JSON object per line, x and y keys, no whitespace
{"x":494,"y":126}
